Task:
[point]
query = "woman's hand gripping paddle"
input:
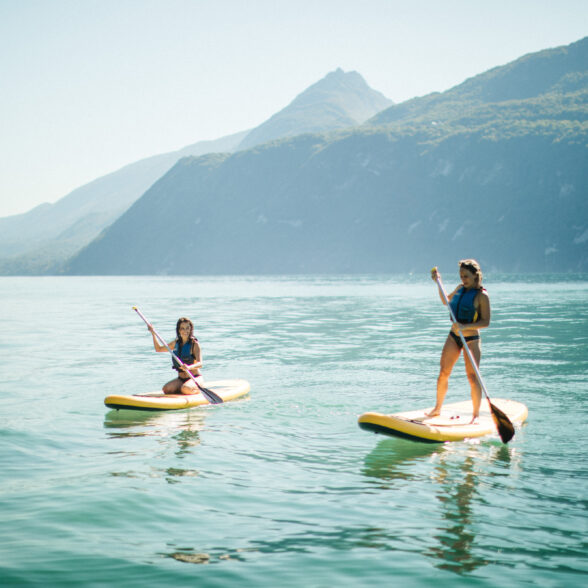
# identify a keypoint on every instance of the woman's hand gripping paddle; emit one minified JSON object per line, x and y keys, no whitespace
{"x":211,"y":396}
{"x":503,"y":425}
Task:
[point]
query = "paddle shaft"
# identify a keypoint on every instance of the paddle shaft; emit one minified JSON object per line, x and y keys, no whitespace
{"x":161,"y":340}
{"x":464,"y":342}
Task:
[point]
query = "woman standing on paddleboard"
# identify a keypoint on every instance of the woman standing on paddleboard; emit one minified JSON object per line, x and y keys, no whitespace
{"x":187,"y":348}
{"x":471,"y":306}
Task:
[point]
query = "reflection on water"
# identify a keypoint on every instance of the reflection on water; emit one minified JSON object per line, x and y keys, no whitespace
{"x":282,"y":484}
{"x":457,"y":469}
{"x":392,"y":458}
{"x":456,"y":537}
{"x":136,"y":423}
{"x":182,"y":426}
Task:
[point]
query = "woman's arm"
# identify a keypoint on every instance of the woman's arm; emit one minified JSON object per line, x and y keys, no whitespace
{"x":157,"y":345}
{"x":434,"y":275}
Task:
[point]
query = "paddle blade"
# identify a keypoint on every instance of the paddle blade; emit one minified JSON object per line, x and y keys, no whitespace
{"x":211,"y":396}
{"x":503,"y":424}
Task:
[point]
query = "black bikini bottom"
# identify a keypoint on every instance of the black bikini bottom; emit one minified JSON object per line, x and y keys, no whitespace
{"x":457,"y":338}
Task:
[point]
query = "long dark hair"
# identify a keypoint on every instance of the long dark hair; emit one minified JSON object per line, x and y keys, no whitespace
{"x":181,"y":320}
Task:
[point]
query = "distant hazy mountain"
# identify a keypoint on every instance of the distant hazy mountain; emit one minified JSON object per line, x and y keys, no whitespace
{"x":337,"y":101}
{"x":485,"y":170}
{"x":43,"y":238}
{"x":50,"y":233}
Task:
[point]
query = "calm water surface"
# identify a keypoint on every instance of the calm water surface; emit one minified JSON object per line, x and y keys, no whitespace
{"x":284,"y":489}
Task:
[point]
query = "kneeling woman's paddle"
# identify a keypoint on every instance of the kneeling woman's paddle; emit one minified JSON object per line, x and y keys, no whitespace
{"x":503,"y":425}
{"x":211,"y":396}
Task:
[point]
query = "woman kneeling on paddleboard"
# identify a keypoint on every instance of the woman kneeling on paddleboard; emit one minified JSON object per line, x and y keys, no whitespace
{"x":471,"y":307}
{"x":187,"y":348}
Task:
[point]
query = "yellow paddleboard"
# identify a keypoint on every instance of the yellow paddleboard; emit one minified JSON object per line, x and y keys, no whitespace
{"x":453,"y":424}
{"x":226,"y":389}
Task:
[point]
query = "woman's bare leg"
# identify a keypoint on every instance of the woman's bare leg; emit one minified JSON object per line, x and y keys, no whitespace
{"x":189,"y":387}
{"x":173,"y":386}
{"x":476,"y":390}
{"x":449,"y":357}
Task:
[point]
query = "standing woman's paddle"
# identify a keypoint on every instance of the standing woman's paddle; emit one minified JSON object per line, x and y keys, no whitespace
{"x":503,"y":425}
{"x":211,"y":396}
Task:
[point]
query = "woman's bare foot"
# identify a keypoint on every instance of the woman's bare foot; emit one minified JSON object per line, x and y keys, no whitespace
{"x":475,"y":420}
{"x":435,"y":412}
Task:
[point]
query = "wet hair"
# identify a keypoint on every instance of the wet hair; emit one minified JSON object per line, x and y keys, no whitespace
{"x":185,"y":320}
{"x":473,"y":266}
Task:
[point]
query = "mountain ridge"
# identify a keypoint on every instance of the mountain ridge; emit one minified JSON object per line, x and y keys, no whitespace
{"x":96,"y":203}
{"x":566,"y":64}
{"x":339,"y":100}
{"x":504,"y":182}
{"x":39,"y":240}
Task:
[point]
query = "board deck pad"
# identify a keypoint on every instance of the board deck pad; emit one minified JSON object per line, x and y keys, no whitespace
{"x":227,"y":389}
{"x":453,"y":424}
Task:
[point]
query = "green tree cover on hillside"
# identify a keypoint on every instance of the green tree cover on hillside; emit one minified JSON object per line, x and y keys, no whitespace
{"x":554,"y":114}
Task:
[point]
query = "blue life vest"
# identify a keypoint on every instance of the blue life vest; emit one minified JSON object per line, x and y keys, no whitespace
{"x":462,"y":305}
{"x":185,"y":353}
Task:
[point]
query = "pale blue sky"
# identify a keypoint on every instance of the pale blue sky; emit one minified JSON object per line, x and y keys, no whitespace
{"x":91,"y":85}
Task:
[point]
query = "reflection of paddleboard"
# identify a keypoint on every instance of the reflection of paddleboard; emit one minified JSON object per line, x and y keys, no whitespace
{"x":226,"y":389}
{"x":451,"y":425}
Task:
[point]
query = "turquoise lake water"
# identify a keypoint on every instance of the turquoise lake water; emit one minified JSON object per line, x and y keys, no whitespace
{"x":284,"y":489}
